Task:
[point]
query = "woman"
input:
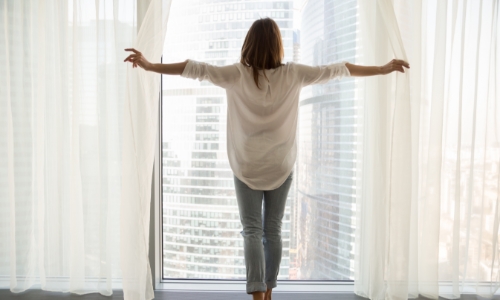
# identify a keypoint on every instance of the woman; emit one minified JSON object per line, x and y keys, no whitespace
{"x":262,"y":100}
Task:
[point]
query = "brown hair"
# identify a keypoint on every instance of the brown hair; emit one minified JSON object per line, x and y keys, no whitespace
{"x":263,"y":48}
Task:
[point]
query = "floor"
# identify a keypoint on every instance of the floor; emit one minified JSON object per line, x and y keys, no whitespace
{"x":170,"y":295}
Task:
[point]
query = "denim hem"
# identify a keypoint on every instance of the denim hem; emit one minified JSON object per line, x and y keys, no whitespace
{"x":253,"y":287}
{"x":271,"y":284}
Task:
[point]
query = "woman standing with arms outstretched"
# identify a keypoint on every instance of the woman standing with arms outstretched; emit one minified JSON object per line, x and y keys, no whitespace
{"x":262,"y":100}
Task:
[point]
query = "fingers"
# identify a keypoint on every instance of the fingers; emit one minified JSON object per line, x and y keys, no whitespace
{"x":404,"y":63}
{"x":133,"y":58}
{"x":129,"y":58}
{"x":401,"y":63}
{"x":133,"y":50}
{"x":396,"y":65}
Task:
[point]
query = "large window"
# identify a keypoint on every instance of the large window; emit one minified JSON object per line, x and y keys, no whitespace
{"x":201,"y":225}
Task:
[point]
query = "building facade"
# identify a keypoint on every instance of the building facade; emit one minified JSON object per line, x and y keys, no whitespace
{"x":325,"y":195}
{"x":201,"y":227}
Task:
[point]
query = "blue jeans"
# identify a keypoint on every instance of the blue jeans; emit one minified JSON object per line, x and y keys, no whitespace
{"x":262,"y":232}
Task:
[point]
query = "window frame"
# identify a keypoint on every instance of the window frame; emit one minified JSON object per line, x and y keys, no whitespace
{"x":156,"y":245}
{"x":207,"y":285}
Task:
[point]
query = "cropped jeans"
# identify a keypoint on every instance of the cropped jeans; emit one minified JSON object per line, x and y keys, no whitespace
{"x":262,"y":232}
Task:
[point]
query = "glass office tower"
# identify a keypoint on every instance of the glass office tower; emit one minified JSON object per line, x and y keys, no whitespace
{"x":323,"y":214}
{"x":201,"y":225}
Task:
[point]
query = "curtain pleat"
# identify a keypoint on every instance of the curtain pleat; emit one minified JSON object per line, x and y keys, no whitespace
{"x":427,"y":218}
{"x":140,"y":123}
{"x":62,"y":133}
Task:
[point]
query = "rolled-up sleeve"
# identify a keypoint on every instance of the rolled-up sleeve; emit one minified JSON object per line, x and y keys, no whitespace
{"x":321,"y":74}
{"x":224,"y":76}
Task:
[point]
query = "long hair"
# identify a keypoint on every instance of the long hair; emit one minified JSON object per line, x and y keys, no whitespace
{"x":263,"y":48}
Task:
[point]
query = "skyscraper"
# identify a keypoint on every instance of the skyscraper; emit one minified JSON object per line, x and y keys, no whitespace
{"x":323,"y":224}
{"x":201,"y":227}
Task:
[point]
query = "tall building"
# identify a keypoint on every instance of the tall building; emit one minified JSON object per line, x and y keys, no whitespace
{"x":201,"y":225}
{"x":296,"y":45}
{"x":323,"y":224}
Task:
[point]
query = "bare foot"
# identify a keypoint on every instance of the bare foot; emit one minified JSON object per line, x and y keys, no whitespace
{"x":268,"y":294}
{"x":258,"y":296}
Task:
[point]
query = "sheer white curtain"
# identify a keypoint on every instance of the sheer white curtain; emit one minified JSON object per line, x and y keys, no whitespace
{"x":428,"y":215}
{"x":139,"y":139}
{"x":70,"y":113}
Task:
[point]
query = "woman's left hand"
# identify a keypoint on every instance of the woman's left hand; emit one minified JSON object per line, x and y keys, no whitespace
{"x":394,"y":65}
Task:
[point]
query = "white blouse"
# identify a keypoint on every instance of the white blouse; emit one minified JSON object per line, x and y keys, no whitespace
{"x":262,"y":123}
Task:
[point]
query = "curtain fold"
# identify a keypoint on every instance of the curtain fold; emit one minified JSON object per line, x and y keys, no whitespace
{"x":427,"y":218}
{"x":140,"y":124}
{"x":70,"y":111}
{"x":60,"y":142}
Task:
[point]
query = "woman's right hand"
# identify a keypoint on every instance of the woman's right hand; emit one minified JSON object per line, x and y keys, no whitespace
{"x":394,"y":65}
{"x":137,"y":59}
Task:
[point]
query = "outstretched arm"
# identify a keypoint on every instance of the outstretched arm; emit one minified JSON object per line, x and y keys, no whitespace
{"x":223,"y":76}
{"x":137,"y":59}
{"x":393,"y":65}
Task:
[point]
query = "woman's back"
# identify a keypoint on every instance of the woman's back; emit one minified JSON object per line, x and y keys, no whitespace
{"x":262,"y":120}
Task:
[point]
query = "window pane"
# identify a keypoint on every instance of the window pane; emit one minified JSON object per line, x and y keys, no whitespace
{"x":201,"y":227}
{"x":323,"y":223}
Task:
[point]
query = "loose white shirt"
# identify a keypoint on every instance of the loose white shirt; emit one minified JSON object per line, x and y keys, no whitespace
{"x":262,"y":122}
